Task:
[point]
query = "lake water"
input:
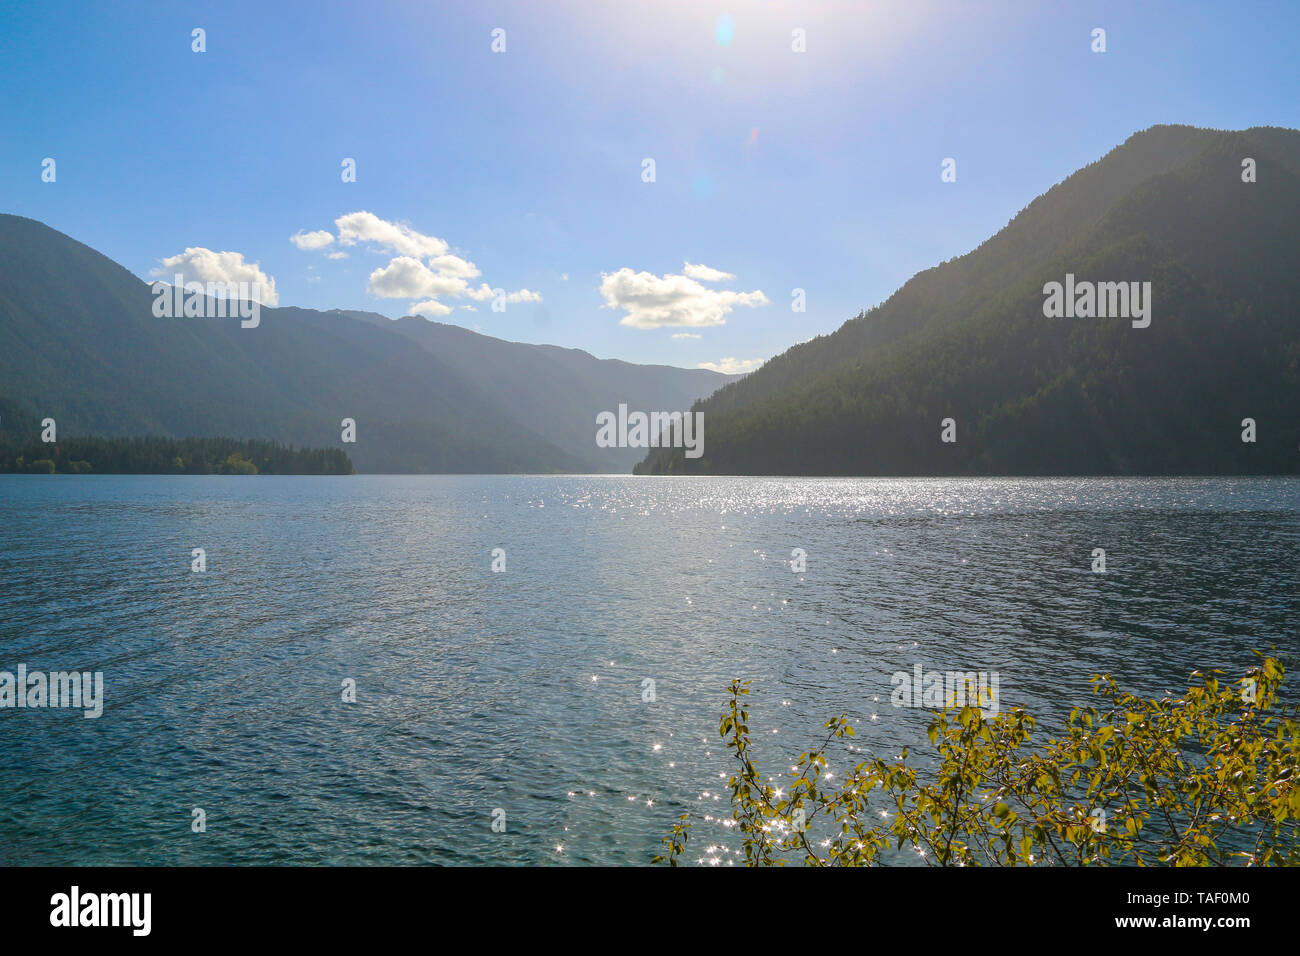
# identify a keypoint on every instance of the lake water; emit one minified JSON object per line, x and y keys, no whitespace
{"x":523,"y":690}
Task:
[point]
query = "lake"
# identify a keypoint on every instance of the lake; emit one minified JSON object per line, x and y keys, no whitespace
{"x":525,"y":690}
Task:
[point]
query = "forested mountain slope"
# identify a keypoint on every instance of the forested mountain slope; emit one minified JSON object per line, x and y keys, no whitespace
{"x":969,"y":340}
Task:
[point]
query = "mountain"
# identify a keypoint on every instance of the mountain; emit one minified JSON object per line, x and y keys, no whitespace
{"x":79,"y":343}
{"x":556,"y":392}
{"x":1032,"y":395}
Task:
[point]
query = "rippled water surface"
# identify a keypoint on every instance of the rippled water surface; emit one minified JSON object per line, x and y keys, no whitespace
{"x":523,"y":690}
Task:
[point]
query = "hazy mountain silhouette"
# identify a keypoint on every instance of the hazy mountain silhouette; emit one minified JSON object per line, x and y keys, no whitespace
{"x":555,"y":391}
{"x":79,"y":343}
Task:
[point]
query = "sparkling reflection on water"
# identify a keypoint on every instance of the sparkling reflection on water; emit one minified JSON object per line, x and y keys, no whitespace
{"x":523,"y":690}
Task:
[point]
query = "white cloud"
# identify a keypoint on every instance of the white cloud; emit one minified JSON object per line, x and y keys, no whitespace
{"x":686,"y":335}
{"x":312,"y":240}
{"x":705,"y":274}
{"x":432,"y":307}
{"x":454,"y":266}
{"x":408,"y":278}
{"x":732,"y":366}
{"x":422,"y":268}
{"x":653,"y":301}
{"x":367,"y":227}
{"x":485,"y":292}
{"x":197,"y":264}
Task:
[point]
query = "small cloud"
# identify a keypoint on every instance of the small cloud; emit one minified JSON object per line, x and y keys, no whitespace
{"x":311,"y":240}
{"x":653,"y":301}
{"x":705,"y":274}
{"x":732,"y":366}
{"x":408,"y":278}
{"x":564,"y":277}
{"x":485,"y":292}
{"x":367,"y":227}
{"x":432,"y":307}
{"x":450,"y":265}
{"x":686,"y":335}
{"x":422,"y":267}
{"x":339,"y":254}
{"x":197,"y":264}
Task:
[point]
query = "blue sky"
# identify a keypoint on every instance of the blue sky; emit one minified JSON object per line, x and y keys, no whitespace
{"x":817,"y":170}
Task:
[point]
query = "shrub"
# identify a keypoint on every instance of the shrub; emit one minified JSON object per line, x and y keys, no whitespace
{"x":1208,"y":778}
